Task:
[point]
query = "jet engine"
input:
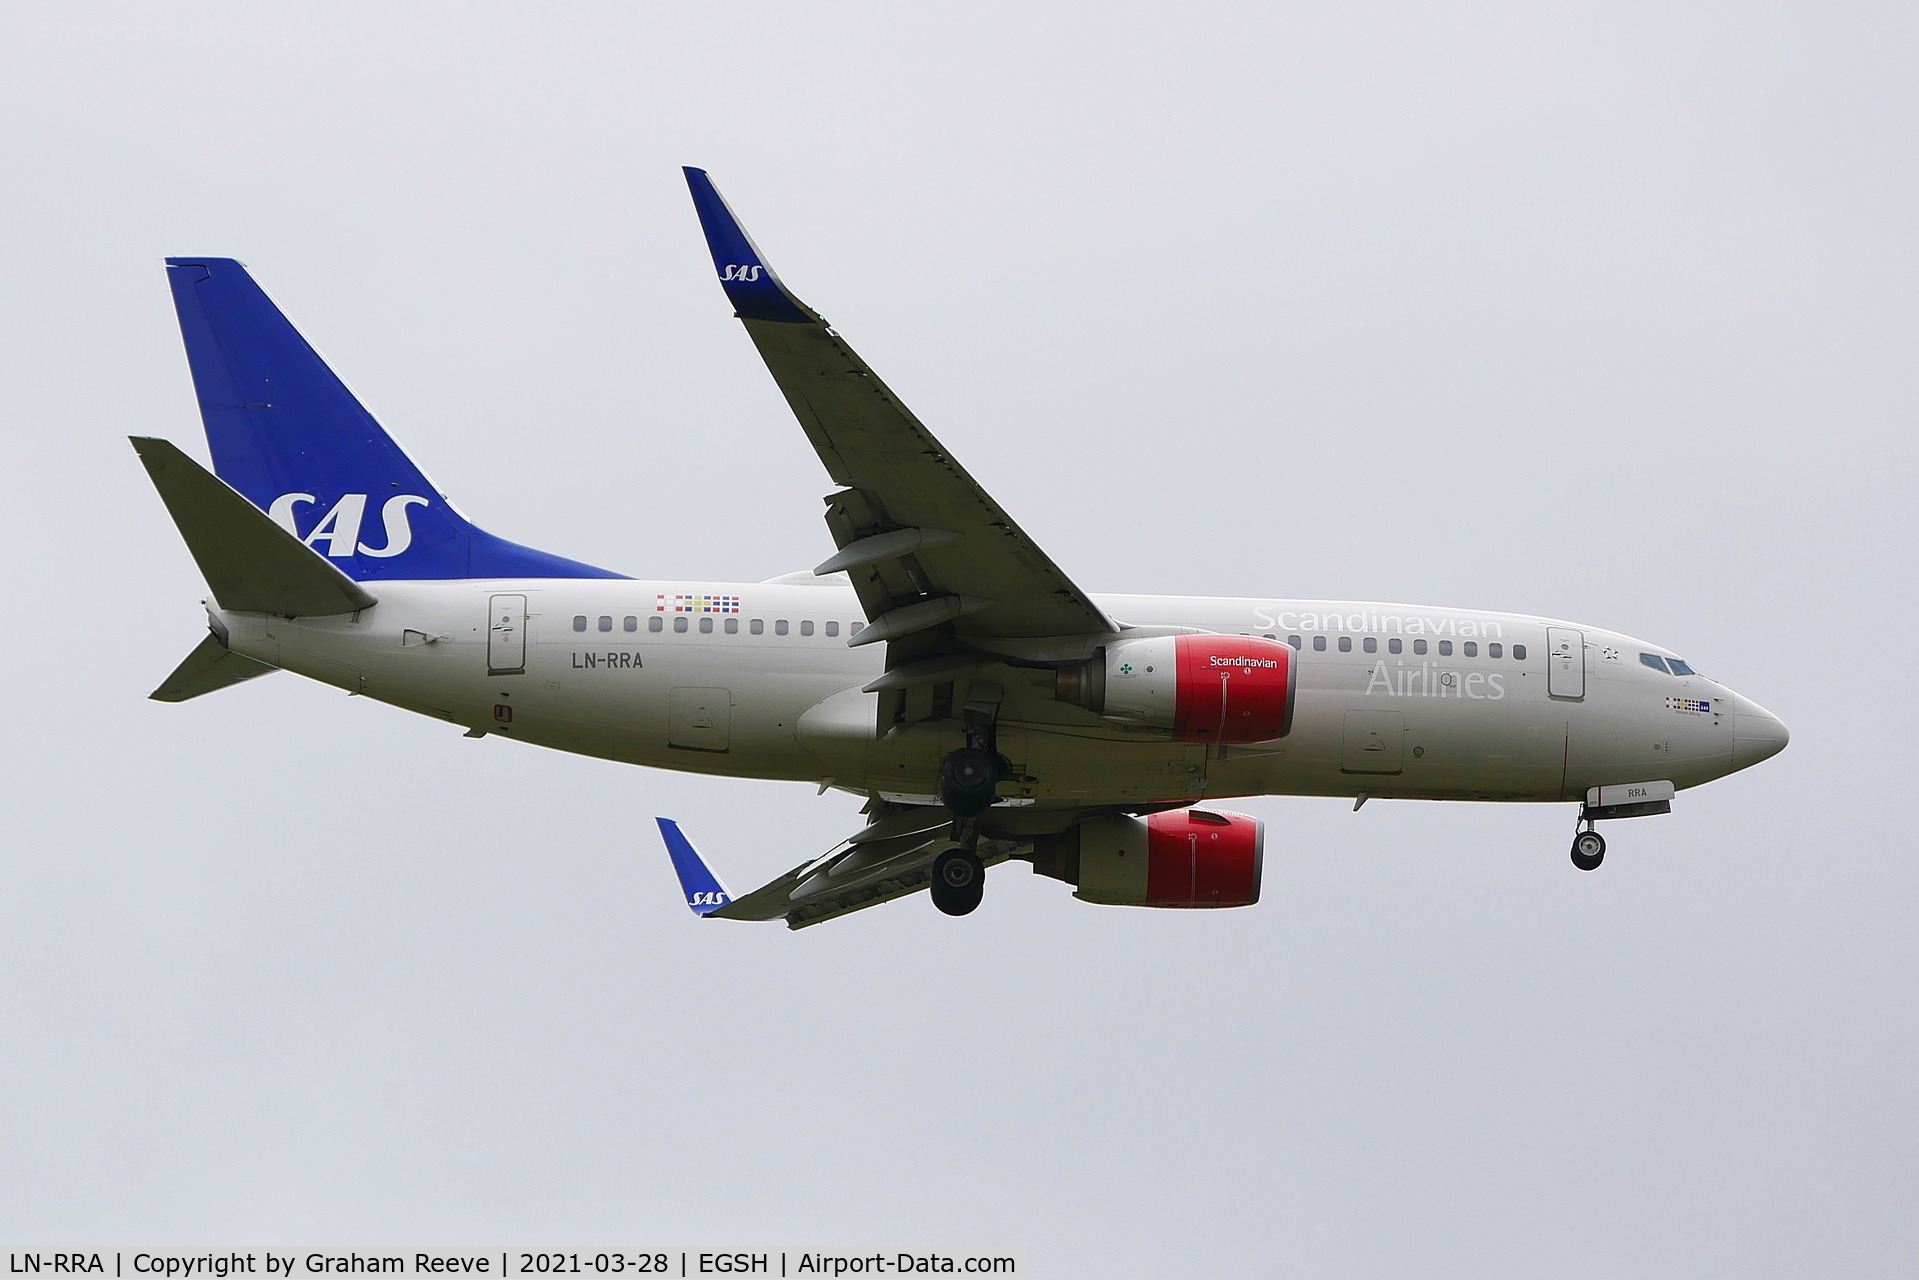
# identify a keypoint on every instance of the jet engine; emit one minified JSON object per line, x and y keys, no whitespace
{"x":1183,"y":858}
{"x":1199,"y":688}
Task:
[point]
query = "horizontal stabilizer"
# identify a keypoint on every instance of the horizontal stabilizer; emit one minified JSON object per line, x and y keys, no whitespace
{"x":209,"y":668}
{"x":252,"y":564}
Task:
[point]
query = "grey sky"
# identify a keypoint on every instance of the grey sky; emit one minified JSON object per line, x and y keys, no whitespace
{"x":1603,"y":312}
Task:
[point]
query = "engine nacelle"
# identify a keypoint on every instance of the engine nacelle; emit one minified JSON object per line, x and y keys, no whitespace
{"x":1184,"y":858}
{"x":1198,"y":688}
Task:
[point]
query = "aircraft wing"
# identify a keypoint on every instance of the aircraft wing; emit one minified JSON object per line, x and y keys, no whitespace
{"x":890,"y":859}
{"x":922,"y":542}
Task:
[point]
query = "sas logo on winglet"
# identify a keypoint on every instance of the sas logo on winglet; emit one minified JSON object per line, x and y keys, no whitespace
{"x":339,"y":528}
{"x":710,"y":898}
{"x":746,"y":273}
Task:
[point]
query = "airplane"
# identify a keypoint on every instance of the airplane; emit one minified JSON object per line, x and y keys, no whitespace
{"x":938,"y":664}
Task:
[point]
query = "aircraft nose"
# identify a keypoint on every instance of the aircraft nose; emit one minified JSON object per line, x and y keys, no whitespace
{"x":1757,"y":734}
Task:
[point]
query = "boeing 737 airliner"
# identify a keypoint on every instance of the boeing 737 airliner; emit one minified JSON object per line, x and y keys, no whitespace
{"x":938,"y":663}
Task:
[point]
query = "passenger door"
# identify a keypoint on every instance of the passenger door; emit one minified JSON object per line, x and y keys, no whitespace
{"x":506,"y":636}
{"x":1565,"y":663}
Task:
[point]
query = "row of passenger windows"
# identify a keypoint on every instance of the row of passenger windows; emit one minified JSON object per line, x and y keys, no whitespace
{"x":730,"y":626}
{"x":1664,"y":665}
{"x":1370,"y":644}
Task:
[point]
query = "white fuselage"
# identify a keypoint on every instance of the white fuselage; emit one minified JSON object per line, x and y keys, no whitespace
{"x":1392,"y":700}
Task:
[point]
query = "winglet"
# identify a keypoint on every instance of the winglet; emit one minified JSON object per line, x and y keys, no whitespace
{"x":704,"y":892}
{"x":751,"y":285}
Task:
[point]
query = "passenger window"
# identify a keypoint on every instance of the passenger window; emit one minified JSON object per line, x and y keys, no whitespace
{"x":1319,"y":644}
{"x":1654,"y":661}
{"x":1394,"y":645}
{"x":579,"y":622}
{"x":1293,"y":641}
{"x":1419,"y":646}
{"x":732,"y":626}
{"x":1445,"y":648}
{"x":832,"y":628}
{"x":757,"y":626}
{"x":1345,"y":644}
{"x":806,"y":627}
{"x":1495,"y":651}
{"x":1679,"y":668}
{"x":629,"y":623}
{"x":679,"y":625}
{"x":656,"y":623}
{"x":1519,"y":652}
{"x":1370,"y":645}
{"x":1267,"y":635}
{"x":606,"y":623}
{"x":856,"y":628}
{"x":779,"y":627}
{"x":1472,"y":648}
{"x":706,"y":626}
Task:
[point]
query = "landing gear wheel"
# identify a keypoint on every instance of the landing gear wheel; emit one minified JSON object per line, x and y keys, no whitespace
{"x":968,"y":778}
{"x":959,"y":881}
{"x":1589,"y":850}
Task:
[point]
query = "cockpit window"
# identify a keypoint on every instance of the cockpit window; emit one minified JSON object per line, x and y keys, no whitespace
{"x":1654,"y":661}
{"x":1679,"y":668}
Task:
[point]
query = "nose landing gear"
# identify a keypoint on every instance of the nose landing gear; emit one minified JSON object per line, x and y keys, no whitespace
{"x":1589,"y":849}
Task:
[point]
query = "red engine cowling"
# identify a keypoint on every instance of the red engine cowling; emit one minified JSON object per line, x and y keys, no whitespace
{"x":1199,"y":688}
{"x":1186,"y":858}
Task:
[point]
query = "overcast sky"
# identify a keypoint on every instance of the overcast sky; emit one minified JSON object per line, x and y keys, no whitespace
{"x":1599,"y":312}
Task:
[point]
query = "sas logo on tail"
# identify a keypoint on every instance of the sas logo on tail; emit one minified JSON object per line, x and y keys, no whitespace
{"x":339,"y":528}
{"x":746,"y":273}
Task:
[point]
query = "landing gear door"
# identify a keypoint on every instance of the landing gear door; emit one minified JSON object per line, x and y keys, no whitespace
{"x":1565,"y":663}
{"x":506,"y":637}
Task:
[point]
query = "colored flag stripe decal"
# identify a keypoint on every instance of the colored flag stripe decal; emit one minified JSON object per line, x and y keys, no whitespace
{"x":696,"y":604}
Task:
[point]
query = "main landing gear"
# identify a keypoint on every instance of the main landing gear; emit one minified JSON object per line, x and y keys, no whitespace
{"x":1589,"y":848}
{"x":969,"y":780}
{"x":959,"y":881}
{"x":969,"y":784}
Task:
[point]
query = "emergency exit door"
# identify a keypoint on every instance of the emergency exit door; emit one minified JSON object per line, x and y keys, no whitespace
{"x":1375,"y":742}
{"x":1565,"y":663}
{"x":699,"y":719}
{"x":506,"y":636}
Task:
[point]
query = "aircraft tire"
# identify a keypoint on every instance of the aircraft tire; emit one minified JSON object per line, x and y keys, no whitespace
{"x":959,"y":881}
{"x":1589,"y":850}
{"x":968,"y":779}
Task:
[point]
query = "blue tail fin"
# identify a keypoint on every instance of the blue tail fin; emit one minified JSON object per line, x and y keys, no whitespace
{"x":287,"y":434}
